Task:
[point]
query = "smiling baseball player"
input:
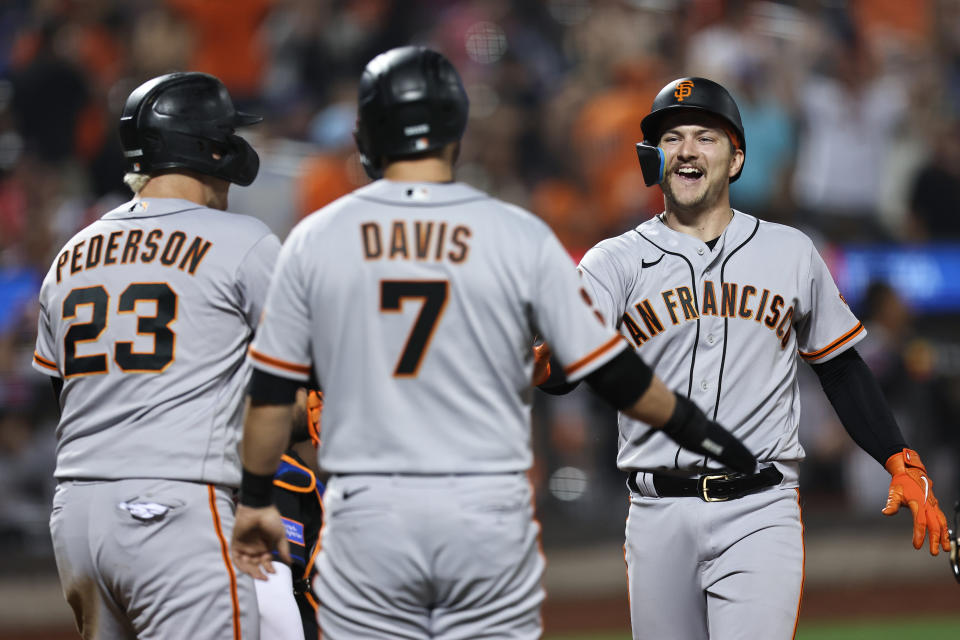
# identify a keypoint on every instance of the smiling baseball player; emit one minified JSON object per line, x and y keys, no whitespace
{"x":416,"y":300}
{"x":723,"y":305}
{"x":145,"y":317}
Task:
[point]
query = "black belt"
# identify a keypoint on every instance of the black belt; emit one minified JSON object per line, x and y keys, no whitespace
{"x":712,"y":487}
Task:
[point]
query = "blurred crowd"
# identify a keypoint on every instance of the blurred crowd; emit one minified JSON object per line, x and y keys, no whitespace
{"x":852,"y":118}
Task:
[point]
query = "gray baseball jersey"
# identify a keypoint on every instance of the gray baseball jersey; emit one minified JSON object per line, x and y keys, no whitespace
{"x":725,"y":327}
{"x":146,"y":315}
{"x":417,"y":305}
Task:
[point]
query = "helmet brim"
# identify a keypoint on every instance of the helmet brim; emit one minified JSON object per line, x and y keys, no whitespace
{"x":246,"y":119}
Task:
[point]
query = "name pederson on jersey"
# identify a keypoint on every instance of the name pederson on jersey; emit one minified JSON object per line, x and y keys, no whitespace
{"x":417,"y":306}
{"x":723,"y":327}
{"x":146,"y":315}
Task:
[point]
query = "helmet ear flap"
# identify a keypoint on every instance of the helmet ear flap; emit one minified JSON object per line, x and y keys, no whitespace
{"x":241,"y":162}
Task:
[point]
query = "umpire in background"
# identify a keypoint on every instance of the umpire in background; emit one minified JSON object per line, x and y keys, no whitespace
{"x":145,"y":318}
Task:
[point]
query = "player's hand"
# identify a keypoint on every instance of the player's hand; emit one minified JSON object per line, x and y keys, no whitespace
{"x":910,"y":485}
{"x":541,"y":363}
{"x":257,"y":533}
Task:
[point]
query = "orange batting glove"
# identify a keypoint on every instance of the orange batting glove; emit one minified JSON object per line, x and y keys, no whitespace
{"x":541,"y":363}
{"x":912,"y":486}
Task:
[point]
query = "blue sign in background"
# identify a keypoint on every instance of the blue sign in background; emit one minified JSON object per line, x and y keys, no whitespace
{"x":927,"y":276}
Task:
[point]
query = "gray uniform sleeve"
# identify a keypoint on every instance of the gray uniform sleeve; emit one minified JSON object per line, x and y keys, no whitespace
{"x":565,"y":312}
{"x":826,"y":327}
{"x":282,"y":343}
{"x":603,"y":281}
{"x":253,"y":277}
{"x":45,"y":352}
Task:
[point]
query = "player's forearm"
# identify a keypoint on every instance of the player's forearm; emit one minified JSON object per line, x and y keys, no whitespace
{"x":655,"y":406}
{"x":630,"y":386}
{"x":266,"y":434}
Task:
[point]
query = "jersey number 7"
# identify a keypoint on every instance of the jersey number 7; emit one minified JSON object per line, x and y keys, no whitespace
{"x":434,"y":296}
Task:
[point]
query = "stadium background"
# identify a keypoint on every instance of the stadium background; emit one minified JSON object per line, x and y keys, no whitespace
{"x":851,"y":113}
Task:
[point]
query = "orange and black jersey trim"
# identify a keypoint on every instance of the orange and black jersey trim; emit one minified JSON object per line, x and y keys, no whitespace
{"x":833,"y":346}
{"x":46,"y":364}
{"x":270,"y":361}
{"x":611,"y":345}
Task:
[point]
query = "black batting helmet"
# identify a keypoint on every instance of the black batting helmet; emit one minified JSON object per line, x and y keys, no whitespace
{"x":411,"y":100}
{"x":181,"y":120}
{"x":695,"y":94}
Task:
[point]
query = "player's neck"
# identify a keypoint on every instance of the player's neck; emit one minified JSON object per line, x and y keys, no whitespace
{"x":419,"y":170}
{"x":704,"y":225}
{"x":203,"y":190}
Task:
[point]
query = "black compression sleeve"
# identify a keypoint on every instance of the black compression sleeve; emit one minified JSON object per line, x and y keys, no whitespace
{"x":268,"y":389}
{"x":621,"y":381}
{"x":856,"y":397}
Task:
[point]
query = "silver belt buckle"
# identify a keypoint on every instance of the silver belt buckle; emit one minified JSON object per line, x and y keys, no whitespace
{"x":702,"y":487}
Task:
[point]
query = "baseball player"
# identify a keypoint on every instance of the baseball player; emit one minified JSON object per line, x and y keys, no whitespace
{"x":288,"y":610}
{"x":145,"y":318}
{"x":415,"y":301}
{"x":722,"y":304}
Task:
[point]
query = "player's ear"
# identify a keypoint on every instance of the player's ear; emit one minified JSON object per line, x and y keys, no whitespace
{"x":736,"y":162}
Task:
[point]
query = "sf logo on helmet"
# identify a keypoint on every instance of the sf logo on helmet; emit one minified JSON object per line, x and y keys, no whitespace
{"x":683,"y":90}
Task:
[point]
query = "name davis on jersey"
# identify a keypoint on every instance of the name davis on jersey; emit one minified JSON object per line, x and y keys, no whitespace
{"x":417,"y":239}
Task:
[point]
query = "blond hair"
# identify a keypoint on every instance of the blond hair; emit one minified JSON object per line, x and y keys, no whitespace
{"x":136,"y":181}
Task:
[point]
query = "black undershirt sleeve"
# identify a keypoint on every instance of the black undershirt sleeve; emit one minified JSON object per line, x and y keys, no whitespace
{"x":57,"y":384}
{"x":622,"y":380}
{"x":856,"y":397}
{"x":268,"y":389}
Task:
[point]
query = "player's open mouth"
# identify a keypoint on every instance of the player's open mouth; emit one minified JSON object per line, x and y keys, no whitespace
{"x":688,"y":174}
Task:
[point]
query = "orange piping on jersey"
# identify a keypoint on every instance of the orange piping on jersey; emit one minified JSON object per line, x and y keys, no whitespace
{"x":836,"y":344}
{"x":593,"y":355}
{"x":316,"y":609}
{"x":313,"y":557}
{"x":312,"y":601}
{"x":290,"y":487}
{"x":44,"y":362}
{"x":226,"y":560}
{"x":803,"y":570}
{"x":280,"y":364}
